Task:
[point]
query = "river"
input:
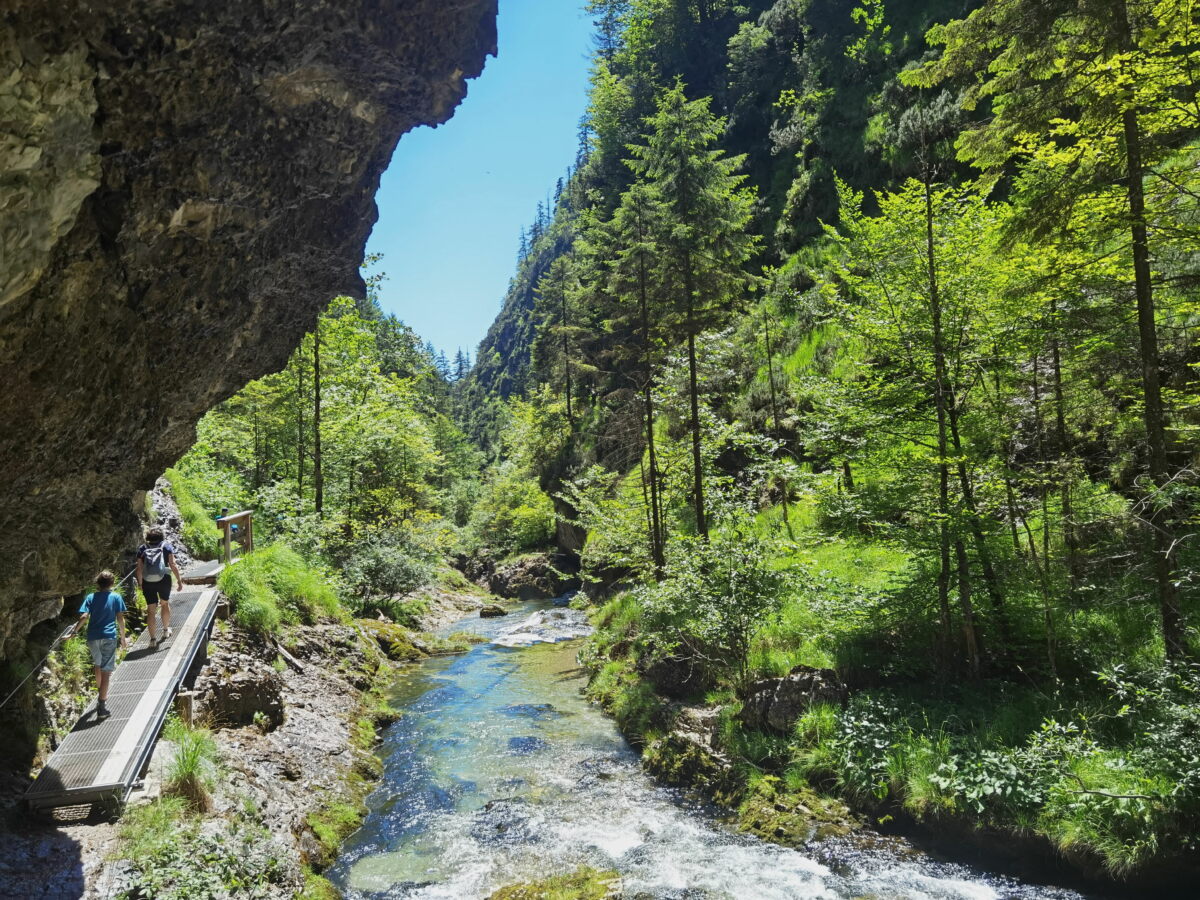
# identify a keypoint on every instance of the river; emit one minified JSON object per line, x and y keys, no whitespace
{"x":499,"y":771}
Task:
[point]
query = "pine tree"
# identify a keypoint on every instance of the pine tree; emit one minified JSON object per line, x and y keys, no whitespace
{"x":636,"y":283}
{"x":462,"y":365}
{"x":608,"y":21}
{"x":703,"y":236}
{"x":558,"y":340}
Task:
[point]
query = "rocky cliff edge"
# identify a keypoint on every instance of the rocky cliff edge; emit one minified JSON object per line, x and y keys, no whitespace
{"x":183,"y":184}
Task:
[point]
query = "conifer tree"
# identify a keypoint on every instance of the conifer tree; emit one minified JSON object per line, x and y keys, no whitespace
{"x":702,"y":232}
{"x":636,"y":283}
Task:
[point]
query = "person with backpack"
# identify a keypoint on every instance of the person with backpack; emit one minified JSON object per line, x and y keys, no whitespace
{"x":155,"y":562}
{"x":104,"y":611}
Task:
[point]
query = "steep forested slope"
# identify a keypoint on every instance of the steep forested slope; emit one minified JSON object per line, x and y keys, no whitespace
{"x":862,"y":339}
{"x":806,"y":86}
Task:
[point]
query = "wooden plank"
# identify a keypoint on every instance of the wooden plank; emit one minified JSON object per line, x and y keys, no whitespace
{"x":203,"y":572}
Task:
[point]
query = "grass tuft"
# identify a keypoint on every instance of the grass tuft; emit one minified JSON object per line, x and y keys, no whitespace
{"x":191,"y":776}
{"x":275,"y":585}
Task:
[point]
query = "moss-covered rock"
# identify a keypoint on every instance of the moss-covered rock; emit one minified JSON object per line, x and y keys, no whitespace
{"x":402,"y":645}
{"x":775,"y":812}
{"x":394,"y":640}
{"x":585,"y":884}
{"x":681,"y":760}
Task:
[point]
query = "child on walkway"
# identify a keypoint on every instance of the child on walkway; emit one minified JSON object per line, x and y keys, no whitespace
{"x":104,"y":611}
{"x":154,"y":559}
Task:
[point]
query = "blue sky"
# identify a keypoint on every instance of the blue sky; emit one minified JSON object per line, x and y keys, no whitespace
{"x":453,"y":200}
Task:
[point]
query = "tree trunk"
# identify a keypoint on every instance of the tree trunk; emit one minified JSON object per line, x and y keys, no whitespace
{"x":697,"y":457}
{"x":318,"y":476}
{"x":694,"y":398}
{"x":943,"y":582}
{"x":657,"y":549}
{"x":775,"y":416}
{"x":299,"y":429}
{"x":1047,"y":609}
{"x":940,"y":404}
{"x":1156,"y":441}
{"x":1062,"y":447}
{"x":968,"y":609}
{"x":974,"y":522}
{"x":1012,"y":510}
{"x":257,"y":451}
{"x":566,"y":346}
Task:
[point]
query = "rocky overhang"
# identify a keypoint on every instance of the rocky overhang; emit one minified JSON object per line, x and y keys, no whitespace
{"x":183,"y":185}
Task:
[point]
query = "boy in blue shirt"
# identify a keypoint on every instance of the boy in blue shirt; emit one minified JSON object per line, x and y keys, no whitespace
{"x":104,"y":611}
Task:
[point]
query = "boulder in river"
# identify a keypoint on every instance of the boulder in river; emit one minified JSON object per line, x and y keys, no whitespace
{"x":492,"y":611}
{"x":774,"y":704}
{"x":526,"y":744}
{"x":505,"y":821}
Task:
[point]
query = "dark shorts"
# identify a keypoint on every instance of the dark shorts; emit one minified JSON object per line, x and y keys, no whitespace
{"x":154,"y":591}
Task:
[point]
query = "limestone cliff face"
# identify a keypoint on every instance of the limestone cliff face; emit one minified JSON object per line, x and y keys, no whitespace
{"x":182,"y":185}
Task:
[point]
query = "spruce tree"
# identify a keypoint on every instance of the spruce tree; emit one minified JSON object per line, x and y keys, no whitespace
{"x":636,"y":283}
{"x":702,"y":231}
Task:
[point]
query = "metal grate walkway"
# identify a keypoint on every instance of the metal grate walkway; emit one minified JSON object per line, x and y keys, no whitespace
{"x":101,"y":759}
{"x":203,"y":572}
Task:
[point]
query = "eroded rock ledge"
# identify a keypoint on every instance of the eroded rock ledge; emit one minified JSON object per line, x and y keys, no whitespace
{"x":182,"y":186}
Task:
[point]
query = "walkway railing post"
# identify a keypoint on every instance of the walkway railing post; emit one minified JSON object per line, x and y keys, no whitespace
{"x":243,"y":520}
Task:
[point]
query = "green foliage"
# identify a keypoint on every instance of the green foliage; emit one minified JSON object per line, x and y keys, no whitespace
{"x":275,"y":585}
{"x":332,"y":824}
{"x":386,"y":566}
{"x":173,"y":857}
{"x":512,"y":515}
{"x":639,"y":712}
{"x":714,"y":598}
{"x":73,"y":664}
{"x":191,"y":775}
{"x":193,"y":496}
{"x":317,"y":887}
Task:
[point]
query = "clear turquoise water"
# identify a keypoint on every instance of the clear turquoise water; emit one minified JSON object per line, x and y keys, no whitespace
{"x":499,"y":772}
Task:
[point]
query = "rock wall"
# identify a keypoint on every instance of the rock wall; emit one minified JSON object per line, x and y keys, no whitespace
{"x":183,"y":184}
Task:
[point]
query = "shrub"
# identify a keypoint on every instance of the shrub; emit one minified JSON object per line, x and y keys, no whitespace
{"x":715,"y":597}
{"x":386,"y":566}
{"x":512,"y":514}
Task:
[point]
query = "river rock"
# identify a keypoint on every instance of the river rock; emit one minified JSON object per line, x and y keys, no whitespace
{"x":240,"y":690}
{"x":774,"y":704}
{"x":677,"y":677}
{"x":185,"y":186}
{"x":525,"y":745}
{"x":505,"y":821}
{"x":491,"y":611}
